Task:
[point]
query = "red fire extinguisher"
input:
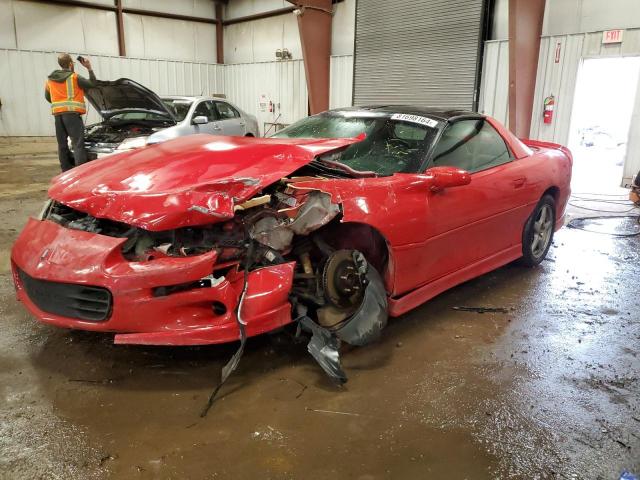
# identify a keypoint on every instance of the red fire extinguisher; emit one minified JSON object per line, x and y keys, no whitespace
{"x":547,"y":113}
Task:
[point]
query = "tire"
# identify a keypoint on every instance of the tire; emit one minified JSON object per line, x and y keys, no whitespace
{"x":537,"y":234}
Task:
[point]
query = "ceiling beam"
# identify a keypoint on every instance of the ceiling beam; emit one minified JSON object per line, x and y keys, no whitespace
{"x":132,"y":11}
{"x":259,"y":16}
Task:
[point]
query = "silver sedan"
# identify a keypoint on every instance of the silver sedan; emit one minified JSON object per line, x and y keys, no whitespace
{"x":211,"y":115}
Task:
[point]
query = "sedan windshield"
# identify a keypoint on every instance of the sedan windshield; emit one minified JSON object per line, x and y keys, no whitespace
{"x":178,"y":107}
{"x":391,"y":146}
{"x":132,"y":116}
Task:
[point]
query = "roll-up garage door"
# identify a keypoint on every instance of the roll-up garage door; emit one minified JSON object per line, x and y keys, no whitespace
{"x":418,"y":52}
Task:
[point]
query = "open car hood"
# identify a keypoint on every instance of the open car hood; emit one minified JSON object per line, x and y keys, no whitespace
{"x":110,"y":97}
{"x":193,"y":180}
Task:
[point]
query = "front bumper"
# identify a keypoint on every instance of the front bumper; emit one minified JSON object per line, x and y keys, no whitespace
{"x":49,"y":252}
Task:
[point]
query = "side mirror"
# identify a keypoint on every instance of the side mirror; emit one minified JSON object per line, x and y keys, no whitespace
{"x":200,"y":120}
{"x":447,"y":177}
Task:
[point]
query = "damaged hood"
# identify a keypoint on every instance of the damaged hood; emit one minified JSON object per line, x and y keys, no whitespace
{"x":111,"y":97}
{"x":193,"y":180}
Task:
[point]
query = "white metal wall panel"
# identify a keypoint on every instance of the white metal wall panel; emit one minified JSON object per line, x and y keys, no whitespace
{"x":422,"y":52}
{"x":61,"y":28}
{"x":193,"y":8}
{"x":7,"y":25}
{"x":151,"y":37}
{"x":258,"y":40}
{"x":283,"y":83}
{"x":341,"y":87}
{"x":559,"y":79}
{"x":494,"y":88}
{"x":26,"y":112}
{"x":563,"y":17}
{"x":243,"y":8}
{"x":343,"y":27}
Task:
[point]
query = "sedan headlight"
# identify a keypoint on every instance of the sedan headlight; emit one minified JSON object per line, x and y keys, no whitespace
{"x":132,"y":143}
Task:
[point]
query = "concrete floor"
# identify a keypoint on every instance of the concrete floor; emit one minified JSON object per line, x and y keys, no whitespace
{"x":549,"y":390}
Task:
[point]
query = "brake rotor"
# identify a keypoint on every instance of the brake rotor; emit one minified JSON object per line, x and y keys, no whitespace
{"x":344,"y":279}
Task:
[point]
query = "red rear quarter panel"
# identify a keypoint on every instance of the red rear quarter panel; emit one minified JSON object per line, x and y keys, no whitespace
{"x":555,"y":163}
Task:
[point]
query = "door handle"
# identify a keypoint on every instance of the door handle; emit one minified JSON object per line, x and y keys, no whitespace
{"x":217,"y":127}
{"x":242,"y":124}
{"x":519,"y":182}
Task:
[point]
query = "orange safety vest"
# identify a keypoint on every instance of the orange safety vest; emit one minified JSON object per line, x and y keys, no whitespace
{"x":66,"y":96}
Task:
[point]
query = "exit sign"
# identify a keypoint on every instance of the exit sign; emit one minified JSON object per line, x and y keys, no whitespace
{"x":612,"y":36}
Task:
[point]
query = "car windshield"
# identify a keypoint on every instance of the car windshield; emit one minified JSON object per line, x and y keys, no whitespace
{"x":178,"y":107}
{"x":138,"y":116}
{"x":391,"y":145}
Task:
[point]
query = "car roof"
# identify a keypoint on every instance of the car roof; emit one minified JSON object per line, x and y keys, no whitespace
{"x":433,"y":112}
{"x":192,"y":98}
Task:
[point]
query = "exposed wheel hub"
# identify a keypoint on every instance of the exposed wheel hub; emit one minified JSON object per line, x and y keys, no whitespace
{"x":344,"y":279}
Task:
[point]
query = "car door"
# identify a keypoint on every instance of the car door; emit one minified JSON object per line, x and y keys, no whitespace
{"x":231,"y":121}
{"x":206,"y":109}
{"x":483,"y":219}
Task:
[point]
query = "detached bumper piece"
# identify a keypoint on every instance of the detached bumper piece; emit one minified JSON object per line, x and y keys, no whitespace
{"x":70,"y":300}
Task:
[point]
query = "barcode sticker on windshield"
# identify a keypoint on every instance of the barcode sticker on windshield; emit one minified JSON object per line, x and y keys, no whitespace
{"x":405,"y":117}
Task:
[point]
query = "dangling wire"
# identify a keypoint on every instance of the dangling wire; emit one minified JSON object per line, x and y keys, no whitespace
{"x":233,"y":362}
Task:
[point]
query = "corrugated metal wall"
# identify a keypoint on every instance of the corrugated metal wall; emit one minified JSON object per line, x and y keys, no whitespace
{"x":341,"y":88}
{"x":283,"y":83}
{"x":558,"y":79}
{"x":422,"y":52}
{"x":94,"y":32}
{"x":494,"y":88}
{"x":25,"y":111}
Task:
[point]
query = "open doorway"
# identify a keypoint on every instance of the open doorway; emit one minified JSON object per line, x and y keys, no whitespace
{"x":600,"y":121}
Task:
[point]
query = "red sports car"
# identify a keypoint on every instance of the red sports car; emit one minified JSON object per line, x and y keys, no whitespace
{"x":338,"y":221}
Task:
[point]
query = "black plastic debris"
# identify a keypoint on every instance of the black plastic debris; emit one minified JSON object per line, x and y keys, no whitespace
{"x":482,"y":309}
{"x":324,"y":346}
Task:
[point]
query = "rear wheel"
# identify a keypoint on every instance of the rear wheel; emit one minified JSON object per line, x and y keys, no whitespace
{"x":538,"y":232}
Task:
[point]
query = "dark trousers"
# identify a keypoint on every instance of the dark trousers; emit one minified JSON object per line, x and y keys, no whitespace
{"x":69,"y":125}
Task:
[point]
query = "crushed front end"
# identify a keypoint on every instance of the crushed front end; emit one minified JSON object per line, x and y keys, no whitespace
{"x":182,"y":286}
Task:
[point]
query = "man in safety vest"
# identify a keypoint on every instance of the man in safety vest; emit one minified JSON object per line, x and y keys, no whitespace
{"x":65,"y":91}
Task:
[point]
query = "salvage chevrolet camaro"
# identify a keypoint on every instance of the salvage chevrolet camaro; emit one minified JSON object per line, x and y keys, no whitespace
{"x":339,"y":221}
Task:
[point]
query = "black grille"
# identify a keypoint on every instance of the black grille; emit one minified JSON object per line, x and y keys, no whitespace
{"x":68,"y":299}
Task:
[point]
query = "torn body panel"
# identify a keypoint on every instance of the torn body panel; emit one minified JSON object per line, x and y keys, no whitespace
{"x":199,"y":315}
{"x":156,"y":188}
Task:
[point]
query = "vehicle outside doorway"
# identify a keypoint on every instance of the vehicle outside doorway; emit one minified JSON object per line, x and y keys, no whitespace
{"x":600,"y":122}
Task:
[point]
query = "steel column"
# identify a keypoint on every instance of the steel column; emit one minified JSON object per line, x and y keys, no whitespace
{"x":525,"y":28}
{"x":314,"y":24}
{"x":219,"y":35}
{"x":122,"y":49}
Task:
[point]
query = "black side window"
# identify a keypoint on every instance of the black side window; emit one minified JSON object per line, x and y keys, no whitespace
{"x":226,"y":111}
{"x":471,"y":145}
{"x":204,"y":109}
